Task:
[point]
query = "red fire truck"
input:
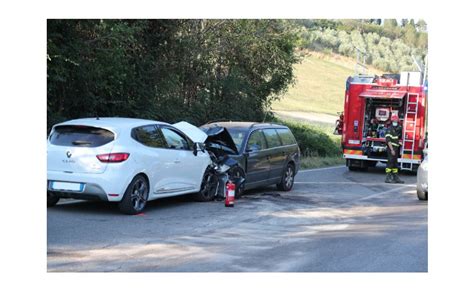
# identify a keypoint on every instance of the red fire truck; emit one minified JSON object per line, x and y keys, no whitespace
{"x":369,"y":103}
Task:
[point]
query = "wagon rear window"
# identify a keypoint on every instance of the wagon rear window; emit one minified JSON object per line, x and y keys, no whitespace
{"x":286,"y":136}
{"x":80,"y":136}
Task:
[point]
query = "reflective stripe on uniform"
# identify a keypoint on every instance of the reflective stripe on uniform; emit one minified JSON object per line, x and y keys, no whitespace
{"x":395,"y":144}
{"x":388,"y":170}
{"x":395,"y":170}
{"x":391,"y":136}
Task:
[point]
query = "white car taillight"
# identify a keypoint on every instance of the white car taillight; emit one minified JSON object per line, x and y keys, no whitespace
{"x":113,"y":157}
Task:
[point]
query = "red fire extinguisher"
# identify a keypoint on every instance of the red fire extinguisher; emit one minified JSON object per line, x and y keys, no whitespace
{"x":229,"y":194}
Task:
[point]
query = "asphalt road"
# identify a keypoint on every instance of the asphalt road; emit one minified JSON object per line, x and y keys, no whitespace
{"x":334,"y":220}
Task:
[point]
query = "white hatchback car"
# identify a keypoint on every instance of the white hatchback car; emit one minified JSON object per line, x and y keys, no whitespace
{"x":129,"y":161}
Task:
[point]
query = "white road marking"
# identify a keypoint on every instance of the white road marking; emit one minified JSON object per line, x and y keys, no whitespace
{"x":313,"y":230}
{"x":324,"y":168}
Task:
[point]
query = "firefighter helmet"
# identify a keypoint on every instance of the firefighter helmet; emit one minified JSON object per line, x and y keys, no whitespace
{"x":394,"y":118}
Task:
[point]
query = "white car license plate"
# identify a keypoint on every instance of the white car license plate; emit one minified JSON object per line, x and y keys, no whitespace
{"x":67,"y":186}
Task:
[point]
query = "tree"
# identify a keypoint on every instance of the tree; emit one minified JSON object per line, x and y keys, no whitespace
{"x":170,"y":70}
{"x":422,"y":40}
{"x":390,"y":23}
{"x":410,"y":34}
{"x":377,"y":21}
{"x":421,"y":26}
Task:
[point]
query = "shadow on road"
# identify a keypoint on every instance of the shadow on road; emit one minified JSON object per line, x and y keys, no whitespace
{"x":380,"y":169}
{"x":99,"y":207}
{"x":92,"y":207}
{"x":262,"y":193}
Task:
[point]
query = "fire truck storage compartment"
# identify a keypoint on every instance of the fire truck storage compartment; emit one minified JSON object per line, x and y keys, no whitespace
{"x":373,"y":144}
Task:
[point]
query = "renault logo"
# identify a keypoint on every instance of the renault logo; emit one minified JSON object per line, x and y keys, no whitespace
{"x":68,"y":154}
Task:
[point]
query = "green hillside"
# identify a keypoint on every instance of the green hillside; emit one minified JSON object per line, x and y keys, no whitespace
{"x":320,"y":85}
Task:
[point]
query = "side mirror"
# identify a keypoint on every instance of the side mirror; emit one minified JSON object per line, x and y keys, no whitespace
{"x":198,"y":147}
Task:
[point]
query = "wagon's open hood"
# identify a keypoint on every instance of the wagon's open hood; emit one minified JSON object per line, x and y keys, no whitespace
{"x":211,"y":136}
{"x":193,"y":132}
{"x":220,"y":136}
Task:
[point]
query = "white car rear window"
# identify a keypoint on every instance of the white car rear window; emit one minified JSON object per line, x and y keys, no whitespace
{"x":80,"y":136}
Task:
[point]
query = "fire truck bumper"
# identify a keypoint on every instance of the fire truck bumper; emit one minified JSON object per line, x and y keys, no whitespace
{"x":403,"y":159}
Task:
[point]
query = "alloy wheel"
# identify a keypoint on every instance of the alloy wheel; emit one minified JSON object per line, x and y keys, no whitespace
{"x":139,"y":194}
{"x":209,"y":187}
{"x":289,"y":177}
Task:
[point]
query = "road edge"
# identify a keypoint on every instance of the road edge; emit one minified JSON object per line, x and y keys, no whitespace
{"x":322,"y":168}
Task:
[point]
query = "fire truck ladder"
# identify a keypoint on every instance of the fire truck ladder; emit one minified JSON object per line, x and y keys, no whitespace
{"x":409,"y":130}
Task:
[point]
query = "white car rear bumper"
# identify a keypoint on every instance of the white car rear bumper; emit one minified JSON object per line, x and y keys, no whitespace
{"x":104,"y":187}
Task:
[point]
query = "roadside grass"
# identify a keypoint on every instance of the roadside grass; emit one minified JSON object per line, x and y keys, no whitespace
{"x":327,"y":128}
{"x":308,"y":162}
{"x":320,"y":84}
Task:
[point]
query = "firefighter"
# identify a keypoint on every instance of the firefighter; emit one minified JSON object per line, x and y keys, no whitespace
{"x":392,"y":138}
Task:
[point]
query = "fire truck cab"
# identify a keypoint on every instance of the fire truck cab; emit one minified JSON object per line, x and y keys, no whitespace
{"x":369,"y":103}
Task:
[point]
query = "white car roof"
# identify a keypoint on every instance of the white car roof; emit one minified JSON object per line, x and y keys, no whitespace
{"x":111,"y":123}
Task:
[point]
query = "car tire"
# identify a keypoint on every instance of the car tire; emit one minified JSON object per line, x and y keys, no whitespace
{"x":135,"y":197}
{"x":52,"y":199}
{"x":422,"y":196}
{"x":287,"y":179}
{"x":209,"y":185}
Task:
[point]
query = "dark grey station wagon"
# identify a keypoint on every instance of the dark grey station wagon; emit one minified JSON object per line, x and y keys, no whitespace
{"x":267,"y":153}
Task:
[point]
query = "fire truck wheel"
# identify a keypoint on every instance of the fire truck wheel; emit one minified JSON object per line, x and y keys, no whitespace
{"x":209,"y":185}
{"x":371,"y":163}
{"x":52,"y":199}
{"x":358,"y":168}
{"x":288,"y":178}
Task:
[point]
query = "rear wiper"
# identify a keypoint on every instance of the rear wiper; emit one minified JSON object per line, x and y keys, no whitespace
{"x":79,"y":142}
